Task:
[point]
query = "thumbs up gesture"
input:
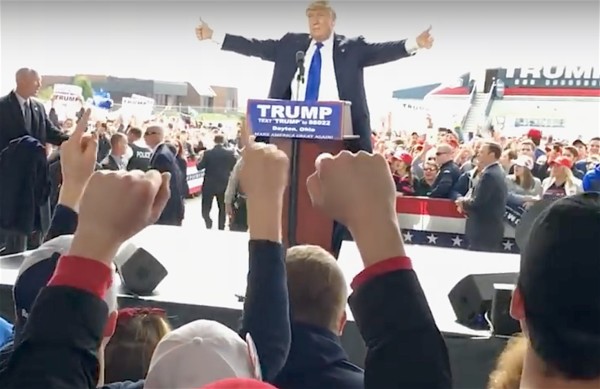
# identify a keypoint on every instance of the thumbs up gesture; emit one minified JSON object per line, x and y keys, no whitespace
{"x":203,"y":31}
{"x":425,"y":39}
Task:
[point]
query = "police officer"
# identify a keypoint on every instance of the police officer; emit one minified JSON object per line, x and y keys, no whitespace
{"x":140,"y":156}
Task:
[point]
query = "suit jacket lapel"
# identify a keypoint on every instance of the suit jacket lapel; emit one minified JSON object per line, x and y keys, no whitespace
{"x":338,"y":52}
{"x":35,"y":117}
{"x":16,"y":109}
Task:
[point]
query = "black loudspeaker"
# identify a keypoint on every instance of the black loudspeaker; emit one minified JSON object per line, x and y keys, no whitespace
{"x":502,"y":323}
{"x":472,"y":297}
{"x":139,"y":270}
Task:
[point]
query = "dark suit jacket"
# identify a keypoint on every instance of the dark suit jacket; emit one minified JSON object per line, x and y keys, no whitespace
{"x":24,"y":186}
{"x":350,"y":57}
{"x":318,"y":360}
{"x":405,"y":349}
{"x":164,"y":161}
{"x":110,"y":163}
{"x":485,"y":210}
{"x":217,"y":164}
{"x":445,"y":181}
{"x":12,"y":124}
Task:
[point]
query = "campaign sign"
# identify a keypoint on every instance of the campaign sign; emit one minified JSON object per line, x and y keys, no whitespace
{"x":295,"y":119}
{"x":513,"y":214}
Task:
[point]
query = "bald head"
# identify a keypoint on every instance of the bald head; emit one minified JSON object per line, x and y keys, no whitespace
{"x":28,"y":82}
{"x":443,"y":153}
{"x":154,"y":135}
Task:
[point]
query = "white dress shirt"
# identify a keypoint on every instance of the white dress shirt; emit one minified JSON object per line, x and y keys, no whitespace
{"x":328,"y":89}
{"x":22,"y":101}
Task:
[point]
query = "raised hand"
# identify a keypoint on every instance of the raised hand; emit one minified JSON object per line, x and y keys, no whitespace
{"x":264,"y":172}
{"x":114,"y":207}
{"x":354,"y":189}
{"x":78,"y":154}
{"x":263,"y":178}
{"x":358,"y":190}
{"x":425,"y":39}
{"x":203,"y":31}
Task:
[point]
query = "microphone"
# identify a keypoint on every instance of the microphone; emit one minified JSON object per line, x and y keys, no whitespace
{"x":300,"y":64}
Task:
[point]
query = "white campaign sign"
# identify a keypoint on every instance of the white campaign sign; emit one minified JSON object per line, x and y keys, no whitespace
{"x":139,"y":106}
{"x":67,"y":93}
{"x":143,"y":98}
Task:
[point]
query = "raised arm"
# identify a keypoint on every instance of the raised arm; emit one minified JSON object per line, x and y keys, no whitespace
{"x":405,"y":348}
{"x":379,"y":53}
{"x":263,"y":49}
{"x":266,"y":307}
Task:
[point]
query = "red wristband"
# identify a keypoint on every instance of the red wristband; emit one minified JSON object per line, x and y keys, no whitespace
{"x":380,"y":268}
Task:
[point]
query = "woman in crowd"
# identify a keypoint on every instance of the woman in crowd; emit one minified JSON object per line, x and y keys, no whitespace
{"x":128,"y":354}
{"x":423,"y":185}
{"x":561,"y":181}
{"x":401,"y":165}
{"x":182,"y":163}
{"x":506,"y":159}
{"x":523,"y":187}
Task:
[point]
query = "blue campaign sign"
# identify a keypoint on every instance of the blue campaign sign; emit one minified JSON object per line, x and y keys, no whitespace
{"x":295,"y":119}
{"x":512,"y":214}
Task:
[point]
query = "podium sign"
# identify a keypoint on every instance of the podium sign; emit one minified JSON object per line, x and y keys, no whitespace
{"x":298,"y":119}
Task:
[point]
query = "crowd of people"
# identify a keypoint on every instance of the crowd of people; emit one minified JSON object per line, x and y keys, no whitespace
{"x":69,"y":332}
{"x":108,"y":180}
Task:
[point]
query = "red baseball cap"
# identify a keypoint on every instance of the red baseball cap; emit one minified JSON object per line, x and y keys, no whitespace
{"x":534,"y":133}
{"x":403,"y":156}
{"x":562,"y":161}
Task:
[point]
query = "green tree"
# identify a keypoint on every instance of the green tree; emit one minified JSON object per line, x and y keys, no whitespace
{"x":87,"y":90}
{"x":45,"y":93}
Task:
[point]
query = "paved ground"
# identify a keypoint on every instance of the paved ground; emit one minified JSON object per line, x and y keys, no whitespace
{"x":193,"y":213}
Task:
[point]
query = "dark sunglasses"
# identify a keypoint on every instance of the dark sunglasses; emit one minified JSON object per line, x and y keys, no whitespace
{"x":440,"y":153}
{"x":149,"y":133}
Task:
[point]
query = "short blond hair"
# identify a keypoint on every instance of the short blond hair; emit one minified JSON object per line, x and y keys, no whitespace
{"x":509,"y":365}
{"x":316,"y":286}
{"x":319,"y":5}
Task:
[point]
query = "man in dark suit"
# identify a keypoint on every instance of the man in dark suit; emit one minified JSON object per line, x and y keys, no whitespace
{"x":20,"y":115}
{"x":334,"y":63}
{"x":334,"y":69}
{"x":217,"y":163}
{"x":116,"y":158}
{"x":163,"y":159}
{"x":486,"y":207}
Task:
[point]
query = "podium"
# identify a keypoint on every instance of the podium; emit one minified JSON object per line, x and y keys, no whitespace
{"x":303,"y":130}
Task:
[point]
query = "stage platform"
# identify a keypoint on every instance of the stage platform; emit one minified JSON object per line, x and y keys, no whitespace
{"x":207,"y":273}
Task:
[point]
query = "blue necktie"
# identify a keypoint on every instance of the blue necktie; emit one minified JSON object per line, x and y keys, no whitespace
{"x":314,"y":75}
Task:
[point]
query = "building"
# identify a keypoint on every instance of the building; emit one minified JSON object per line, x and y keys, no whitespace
{"x":201,"y":97}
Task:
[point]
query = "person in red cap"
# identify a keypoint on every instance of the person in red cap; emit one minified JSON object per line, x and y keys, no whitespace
{"x":561,"y":181}
{"x":401,"y":165}
{"x":535,"y":136}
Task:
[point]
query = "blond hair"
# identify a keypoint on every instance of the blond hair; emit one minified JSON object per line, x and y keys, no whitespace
{"x":316,"y":285}
{"x":509,"y":365}
{"x":319,"y":5}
